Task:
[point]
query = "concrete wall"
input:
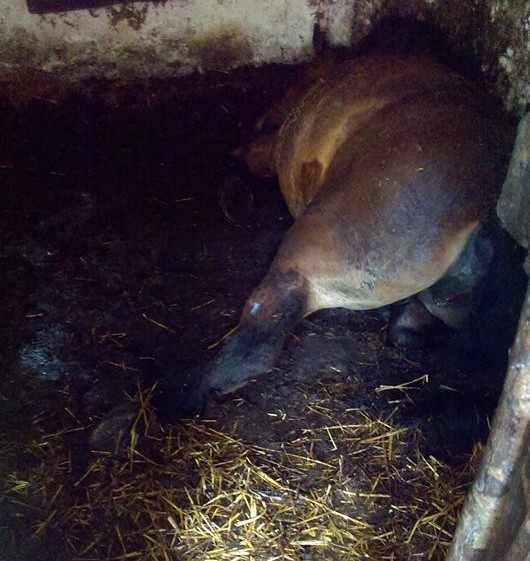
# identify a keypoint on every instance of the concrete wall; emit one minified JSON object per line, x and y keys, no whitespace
{"x":140,"y":40}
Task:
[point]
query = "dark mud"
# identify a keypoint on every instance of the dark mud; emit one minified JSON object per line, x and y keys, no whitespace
{"x":129,"y":240}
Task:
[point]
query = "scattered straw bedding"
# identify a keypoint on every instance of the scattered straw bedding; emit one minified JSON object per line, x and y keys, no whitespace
{"x":345,"y":486}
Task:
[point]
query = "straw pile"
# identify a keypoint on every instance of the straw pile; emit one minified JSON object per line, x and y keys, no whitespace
{"x":344,"y":486}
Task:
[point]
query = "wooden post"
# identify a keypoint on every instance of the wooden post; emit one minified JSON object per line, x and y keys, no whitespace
{"x":495,"y":521}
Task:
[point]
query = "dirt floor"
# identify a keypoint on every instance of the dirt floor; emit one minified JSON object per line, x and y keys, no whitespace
{"x":129,"y":241}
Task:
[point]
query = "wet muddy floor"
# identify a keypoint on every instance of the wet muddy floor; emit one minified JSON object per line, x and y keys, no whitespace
{"x":129,"y":241}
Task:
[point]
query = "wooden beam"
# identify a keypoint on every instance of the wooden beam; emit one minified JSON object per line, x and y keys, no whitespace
{"x":495,"y":521}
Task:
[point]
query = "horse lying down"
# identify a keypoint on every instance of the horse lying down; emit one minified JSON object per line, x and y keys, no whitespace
{"x":391,"y":166}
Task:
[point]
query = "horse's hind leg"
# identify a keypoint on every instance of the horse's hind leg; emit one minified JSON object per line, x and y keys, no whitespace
{"x":413,"y":325}
{"x":494,"y":308}
{"x":450,"y":300}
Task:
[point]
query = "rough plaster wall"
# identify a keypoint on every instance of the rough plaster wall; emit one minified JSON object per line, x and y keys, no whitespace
{"x":154,"y":39}
{"x":494,"y":33}
{"x":158,"y":40}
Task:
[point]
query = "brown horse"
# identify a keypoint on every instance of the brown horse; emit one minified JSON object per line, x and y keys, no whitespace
{"x":391,"y":166}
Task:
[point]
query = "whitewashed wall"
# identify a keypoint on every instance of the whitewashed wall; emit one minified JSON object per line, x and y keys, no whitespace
{"x":166,"y":39}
